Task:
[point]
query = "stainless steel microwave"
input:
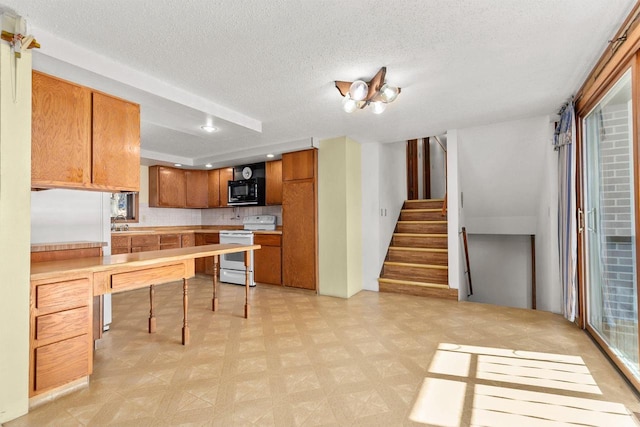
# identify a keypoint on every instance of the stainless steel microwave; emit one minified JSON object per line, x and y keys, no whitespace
{"x":246,"y":192}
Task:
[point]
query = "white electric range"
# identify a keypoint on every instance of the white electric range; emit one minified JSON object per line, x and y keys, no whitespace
{"x":232,"y":268}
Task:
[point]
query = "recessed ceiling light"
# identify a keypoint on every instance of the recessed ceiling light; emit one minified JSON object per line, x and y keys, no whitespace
{"x":208,"y":128}
{"x":208,"y":165}
{"x":177,"y":165}
{"x":271,"y":156}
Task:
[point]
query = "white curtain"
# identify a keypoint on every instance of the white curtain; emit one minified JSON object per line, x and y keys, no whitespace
{"x":564,"y":144}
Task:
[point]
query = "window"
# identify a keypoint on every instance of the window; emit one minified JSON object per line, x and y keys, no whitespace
{"x":124,"y":207}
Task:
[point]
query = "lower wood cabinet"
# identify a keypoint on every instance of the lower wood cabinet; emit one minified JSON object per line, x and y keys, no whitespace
{"x":267,"y":261}
{"x":61,"y":340}
{"x":125,"y":244}
{"x":205,"y":265}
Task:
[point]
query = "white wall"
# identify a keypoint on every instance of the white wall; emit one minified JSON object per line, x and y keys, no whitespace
{"x":384,"y":190}
{"x":455,"y":217}
{"x":438,"y":182}
{"x":507,"y":171}
{"x":501,"y":269}
{"x":70,"y":215}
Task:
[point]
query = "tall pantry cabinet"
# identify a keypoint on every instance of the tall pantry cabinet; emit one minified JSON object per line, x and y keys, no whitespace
{"x":300,"y":219}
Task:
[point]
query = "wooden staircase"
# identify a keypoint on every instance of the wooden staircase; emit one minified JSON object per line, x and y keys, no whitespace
{"x":417,"y":258}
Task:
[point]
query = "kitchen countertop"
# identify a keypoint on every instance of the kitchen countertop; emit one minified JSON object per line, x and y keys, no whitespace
{"x":49,"y":269}
{"x":186,"y":229}
{"x":62,"y":246}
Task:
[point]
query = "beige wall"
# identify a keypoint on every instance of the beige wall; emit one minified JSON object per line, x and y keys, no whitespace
{"x":340,"y":217}
{"x":15,"y":205}
{"x":143,"y":196}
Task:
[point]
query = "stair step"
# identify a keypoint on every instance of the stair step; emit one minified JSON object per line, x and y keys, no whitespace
{"x":423,"y":204}
{"x":421,"y":214}
{"x":413,"y":283}
{"x":420,"y":240}
{"x":414,"y":265}
{"x":422,"y":227}
{"x":407,"y":288}
{"x":430,"y":273}
{"x":430,"y":256}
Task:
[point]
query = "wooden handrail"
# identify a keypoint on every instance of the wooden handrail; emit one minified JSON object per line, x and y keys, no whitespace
{"x":466,"y":256}
{"x":444,"y":203}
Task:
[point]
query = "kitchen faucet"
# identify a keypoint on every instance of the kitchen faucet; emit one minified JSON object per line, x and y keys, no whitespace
{"x":114,"y":227}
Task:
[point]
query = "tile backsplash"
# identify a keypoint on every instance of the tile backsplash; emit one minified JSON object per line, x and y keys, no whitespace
{"x":150,"y":217}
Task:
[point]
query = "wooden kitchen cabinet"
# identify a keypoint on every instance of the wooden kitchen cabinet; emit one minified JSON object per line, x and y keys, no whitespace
{"x":82,"y":139}
{"x":300,"y":219}
{"x":60,"y":133}
{"x":187,"y":240}
{"x":167,"y":187}
{"x":116,"y":143}
{"x":145,"y":242}
{"x":214,"y":188}
{"x":61,"y":340}
{"x":120,"y":245}
{"x":299,"y":165}
{"x":273,"y":172}
{"x":226,"y":175}
{"x":170,"y":241}
{"x":267,"y":261}
{"x":205,"y":265}
{"x":197,"y":188}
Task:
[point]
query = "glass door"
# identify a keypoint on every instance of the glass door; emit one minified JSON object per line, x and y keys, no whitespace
{"x":609,"y":224}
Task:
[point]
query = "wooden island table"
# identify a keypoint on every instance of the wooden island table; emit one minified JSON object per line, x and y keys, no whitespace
{"x":61,"y":303}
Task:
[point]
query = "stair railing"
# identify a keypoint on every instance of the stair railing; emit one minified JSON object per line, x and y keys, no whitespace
{"x":466,"y":256}
{"x":444,"y":203}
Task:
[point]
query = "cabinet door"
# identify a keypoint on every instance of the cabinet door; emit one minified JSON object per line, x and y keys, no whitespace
{"x":197,"y":188}
{"x":116,"y":143}
{"x":226,"y":175}
{"x":299,"y":165}
{"x":60,"y":133}
{"x":274,"y":182}
{"x":167,"y":187}
{"x":214,"y":188}
{"x":187,"y":240}
{"x":299,"y":231}
{"x":267,"y":265}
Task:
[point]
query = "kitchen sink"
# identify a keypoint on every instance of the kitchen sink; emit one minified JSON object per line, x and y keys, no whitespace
{"x":132,"y":231}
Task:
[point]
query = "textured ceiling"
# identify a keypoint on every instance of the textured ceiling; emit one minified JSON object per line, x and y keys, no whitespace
{"x":263,"y":71}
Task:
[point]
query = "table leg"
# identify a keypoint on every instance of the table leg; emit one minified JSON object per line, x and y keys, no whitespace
{"x":152,"y":316}
{"x":185,"y":306}
{"x":214,"y":302}
{"x":247,"y":263}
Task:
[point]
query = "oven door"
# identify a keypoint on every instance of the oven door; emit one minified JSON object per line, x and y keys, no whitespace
{"x":233,"y":261}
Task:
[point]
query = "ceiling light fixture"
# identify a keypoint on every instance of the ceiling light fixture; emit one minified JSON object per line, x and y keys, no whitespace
{"x":208,"y":128}
{"x":359,"y":94}
{"x":271,"y":156}
{"x":208,"y":165}
{"x":177,"y":165}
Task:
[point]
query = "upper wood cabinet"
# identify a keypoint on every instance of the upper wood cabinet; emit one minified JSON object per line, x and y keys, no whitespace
{"x":197,"y":191}
{"x":82,"y":138}
{"x":116,"y":143}
{"x":167,"y":187}
{"x":299,"y":165}
{"x":226,"y":175}
{"x":214,"y":188}
{"x":273,"y":171}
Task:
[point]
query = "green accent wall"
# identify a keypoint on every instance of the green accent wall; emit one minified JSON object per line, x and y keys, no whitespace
{"x":340,"y":217}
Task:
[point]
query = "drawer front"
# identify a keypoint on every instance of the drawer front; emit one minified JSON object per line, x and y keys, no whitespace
{"x":211,"y":238}
{"x":120,"y":241}
{"x":267,"y":239}
{"x":146,"y":277}
{"x":63,"y":295}
{"x":170,"y":246}
{"x":144,"y":240}
{"x":116,"y":251}
{"x":59,"y":363}
{"x":145,"y":248}
{"x":63,"y":323}
{"x":170,"y":239}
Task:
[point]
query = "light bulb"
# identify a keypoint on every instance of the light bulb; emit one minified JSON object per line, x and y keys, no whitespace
{"x":378,"y":107}
{"x":388,"y":93}
{"x":349,"y":105}
{"x":208,"y":128}
{"x":359,"y":90}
